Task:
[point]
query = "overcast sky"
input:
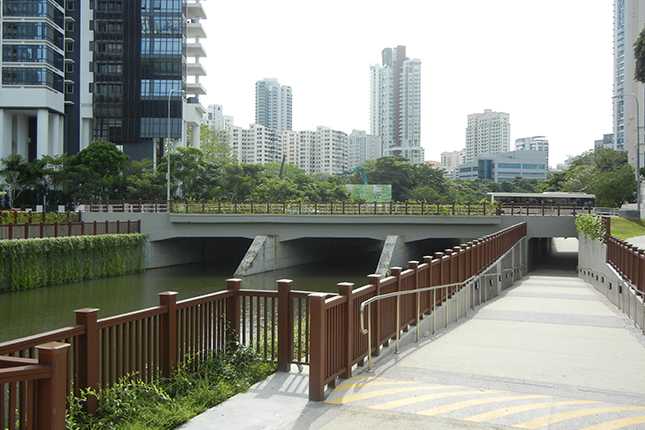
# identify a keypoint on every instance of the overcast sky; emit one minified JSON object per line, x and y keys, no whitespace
{"x":546,"y":63}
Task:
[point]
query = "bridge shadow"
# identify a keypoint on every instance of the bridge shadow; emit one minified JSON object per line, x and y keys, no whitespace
{"x":561,"y":260}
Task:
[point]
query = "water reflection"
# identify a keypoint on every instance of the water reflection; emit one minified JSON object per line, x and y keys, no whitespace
{"x":30,"y":312}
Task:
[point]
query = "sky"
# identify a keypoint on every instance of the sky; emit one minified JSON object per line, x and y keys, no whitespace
{"x":547,"y":63}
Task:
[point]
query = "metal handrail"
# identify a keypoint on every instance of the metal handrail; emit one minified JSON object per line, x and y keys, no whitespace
{"x":398,"y":294}
{"x":476,"y":279}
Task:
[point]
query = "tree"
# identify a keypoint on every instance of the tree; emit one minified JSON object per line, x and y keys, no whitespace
{"x":96,"y":171}
{"x":215,"y":144}
{"x":639,"y":57}
{"x":142,"y":182}
{"x":396,"y":171}
{"x":14,"y":174}
{"x":193,"y":174}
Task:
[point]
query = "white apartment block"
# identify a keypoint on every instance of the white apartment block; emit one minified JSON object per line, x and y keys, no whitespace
{"x":361,"y":147}
{"x":395,"y":104}
{"x":323,"y":150}
{"x":215,"y":119}
{"x":487,"y":133}
{"x":450,"y":163}
{"x":629,"y":20}
{"x":533,"y":143}
{"x":273,"y":104}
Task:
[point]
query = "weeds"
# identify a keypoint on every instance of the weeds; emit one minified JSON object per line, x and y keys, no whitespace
{"x":165,"y":404}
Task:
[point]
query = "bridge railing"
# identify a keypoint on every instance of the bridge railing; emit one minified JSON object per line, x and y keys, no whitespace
{"x":121,"y":205}
{"x":544,"y":209}
{"x":628,"y":260}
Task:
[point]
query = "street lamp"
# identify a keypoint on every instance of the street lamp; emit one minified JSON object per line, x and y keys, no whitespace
{"x":168,"y":148}
{"x":638,"y":152}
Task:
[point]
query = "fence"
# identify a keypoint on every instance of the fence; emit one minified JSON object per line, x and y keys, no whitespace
{"x":289,"y":208}
{"x":544,"y":209}
{"x":71,"y":228}
{"x":285,"y":326}
{"x":336,"y":342}
{"x":628,"y":260}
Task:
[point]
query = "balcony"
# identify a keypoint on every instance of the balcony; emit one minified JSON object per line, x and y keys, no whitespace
{"x":195,"y":10}
{"x":195,"y":69}
{"x":195,"y":89}
{"x":195,"y":30}
{"x":195,"y":50}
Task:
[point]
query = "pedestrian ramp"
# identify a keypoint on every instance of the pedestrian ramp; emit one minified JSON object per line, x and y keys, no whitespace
{"x":493,"y":407}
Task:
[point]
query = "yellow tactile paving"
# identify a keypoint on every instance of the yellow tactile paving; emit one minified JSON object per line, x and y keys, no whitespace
{"x":563,"y":416}
{"x":476,"y":402}
{"x":370,"y":395}
{"x":435,"y":396}
{"x":617,"y":424}
{"x":493,"y":415}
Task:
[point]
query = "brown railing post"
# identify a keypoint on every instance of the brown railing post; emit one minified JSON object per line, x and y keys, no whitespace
{"x":318,"y":339}
{"x":168,"y":355}
{"x":346,"y":289}
{"x":285,"y":325}
{"x":375,"y":309}
{"x":88,"y":354}
{"x":233,"y":308}
{"x":51,"y":394}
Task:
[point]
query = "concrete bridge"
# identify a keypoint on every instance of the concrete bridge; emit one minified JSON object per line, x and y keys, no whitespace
{"x":270,"y":242}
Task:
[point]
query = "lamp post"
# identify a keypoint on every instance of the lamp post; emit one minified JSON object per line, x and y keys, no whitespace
{"x":168,"y":148}
{"x":638,"y":152}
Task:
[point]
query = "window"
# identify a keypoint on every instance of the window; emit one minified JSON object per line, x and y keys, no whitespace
{"x":69,"y":68}
{"x":69,"y":47}
{"x":70,"y":4}
{"x":69,"y":27}
{"x":69,"y":88}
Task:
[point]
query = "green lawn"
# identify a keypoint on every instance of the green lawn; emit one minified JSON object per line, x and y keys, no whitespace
{"x":624,"y":228}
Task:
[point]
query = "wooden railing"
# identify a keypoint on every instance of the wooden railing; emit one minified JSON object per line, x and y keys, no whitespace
{"x":63,"y":229}
{"x":628,"y":260}
{"x":336,"y":341}
{"x":284,"y":326}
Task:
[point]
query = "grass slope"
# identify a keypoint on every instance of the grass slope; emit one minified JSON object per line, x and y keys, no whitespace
{"x":624,"y":228}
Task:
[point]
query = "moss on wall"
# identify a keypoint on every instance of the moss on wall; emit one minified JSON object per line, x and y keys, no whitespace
{"x":33,"y":263}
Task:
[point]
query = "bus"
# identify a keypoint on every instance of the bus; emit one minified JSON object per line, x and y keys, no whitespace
{"x":548,"y":203}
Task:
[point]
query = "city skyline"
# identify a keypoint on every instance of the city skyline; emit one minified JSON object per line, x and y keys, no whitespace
{"x":508,"y":56}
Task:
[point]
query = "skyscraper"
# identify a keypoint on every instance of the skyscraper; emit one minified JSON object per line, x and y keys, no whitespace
{"x":487,"y":133}
{"x":629,"y":20}
{"x":273,"y":105}
{"x":78,"y":71}
{"x":395,"y":104}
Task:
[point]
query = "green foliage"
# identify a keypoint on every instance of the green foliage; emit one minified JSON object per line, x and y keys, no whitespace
{"x":32,"y":263}
{"x":603,"y":172}
{"x":165,"y":404}
{"x":624,"y":228}
{"x":639,"y":57}
{"x":592,"y":226}
{"x":96,"y":171}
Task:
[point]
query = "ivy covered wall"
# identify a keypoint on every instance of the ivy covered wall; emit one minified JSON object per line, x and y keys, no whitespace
{"x":33,"y":263}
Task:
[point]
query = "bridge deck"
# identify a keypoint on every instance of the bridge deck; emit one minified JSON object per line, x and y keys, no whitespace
{"x":550,"y":352}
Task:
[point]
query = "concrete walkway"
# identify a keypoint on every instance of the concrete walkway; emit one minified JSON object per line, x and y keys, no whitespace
{"x":549,"y":353}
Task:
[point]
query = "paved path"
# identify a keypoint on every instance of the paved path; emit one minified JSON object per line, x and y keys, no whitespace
{"x":550,"y":353}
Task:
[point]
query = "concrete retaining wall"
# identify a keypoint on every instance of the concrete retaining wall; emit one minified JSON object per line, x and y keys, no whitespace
{"x":593,"y":268}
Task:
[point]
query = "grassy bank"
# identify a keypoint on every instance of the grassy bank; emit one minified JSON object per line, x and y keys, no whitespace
{"x":624,"y":228}
{"x":166,"y":404}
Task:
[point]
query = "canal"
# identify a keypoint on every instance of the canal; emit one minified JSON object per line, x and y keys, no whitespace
{"x":25,"y":313}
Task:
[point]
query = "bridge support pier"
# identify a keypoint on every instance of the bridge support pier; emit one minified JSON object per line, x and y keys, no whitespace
{"x":392,"y":255}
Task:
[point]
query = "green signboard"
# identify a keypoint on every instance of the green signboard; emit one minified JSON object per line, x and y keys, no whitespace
{"x":370,"y":193}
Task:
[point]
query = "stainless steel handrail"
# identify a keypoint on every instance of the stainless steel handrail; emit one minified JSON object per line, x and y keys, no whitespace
{"x":476,"y":280}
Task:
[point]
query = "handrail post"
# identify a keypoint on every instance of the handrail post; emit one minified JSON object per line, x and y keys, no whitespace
{"x":51,"y":394}
{"x":318,"y":340}
{"x":346,"y":289}
{"x":88,"y":355}
{"x":233,"y":313}
{"x":375,"y":311}
{"x":168,"y":356}
{"x":285,"y":325}
{"x":396,"y":271}
{"x":414,"y":265}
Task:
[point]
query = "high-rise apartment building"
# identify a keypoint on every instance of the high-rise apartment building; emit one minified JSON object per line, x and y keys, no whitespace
{"x":215,"y":119}
{"x":323,"y":150}
{"x":395,"y":104}
{"x":629,"y":20}
{"x":533,"y":143}
{"x":487,"y":133}
{"x":273,"y":104}
{"x":361,"y":147}
{"x":78,"y":71}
